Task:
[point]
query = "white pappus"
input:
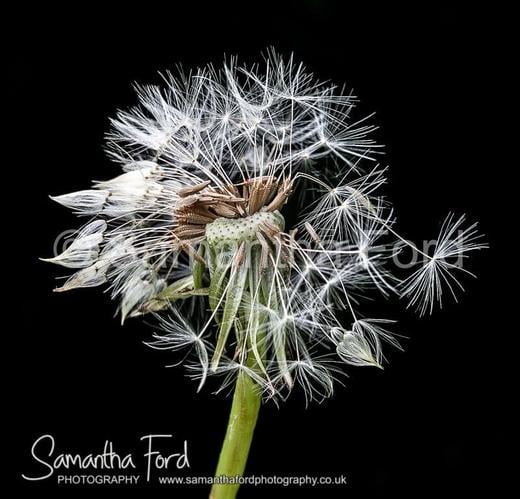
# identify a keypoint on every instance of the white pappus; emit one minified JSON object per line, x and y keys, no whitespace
{"x":216,"y":165}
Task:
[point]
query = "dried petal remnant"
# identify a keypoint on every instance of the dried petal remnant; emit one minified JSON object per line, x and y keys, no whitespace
{"x":201,"y":204}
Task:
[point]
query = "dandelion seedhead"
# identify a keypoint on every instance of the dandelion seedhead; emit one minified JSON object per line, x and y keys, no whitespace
{"x":249,"y":220}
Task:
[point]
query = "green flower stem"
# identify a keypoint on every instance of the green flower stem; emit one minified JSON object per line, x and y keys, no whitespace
{"x":239,"y":434}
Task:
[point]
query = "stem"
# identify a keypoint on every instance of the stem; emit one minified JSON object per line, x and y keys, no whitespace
{"x":239,"y":434}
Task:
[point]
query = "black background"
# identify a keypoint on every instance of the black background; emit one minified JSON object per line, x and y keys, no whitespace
{"x":436,"y":420}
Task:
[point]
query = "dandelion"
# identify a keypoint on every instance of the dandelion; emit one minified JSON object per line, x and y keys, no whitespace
{"x":199,"y":231}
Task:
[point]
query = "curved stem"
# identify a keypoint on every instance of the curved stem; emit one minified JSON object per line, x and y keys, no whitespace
{"x":239,"y":434}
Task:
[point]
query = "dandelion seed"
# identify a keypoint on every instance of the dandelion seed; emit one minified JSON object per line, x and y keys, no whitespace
{"x":425,"y":286}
